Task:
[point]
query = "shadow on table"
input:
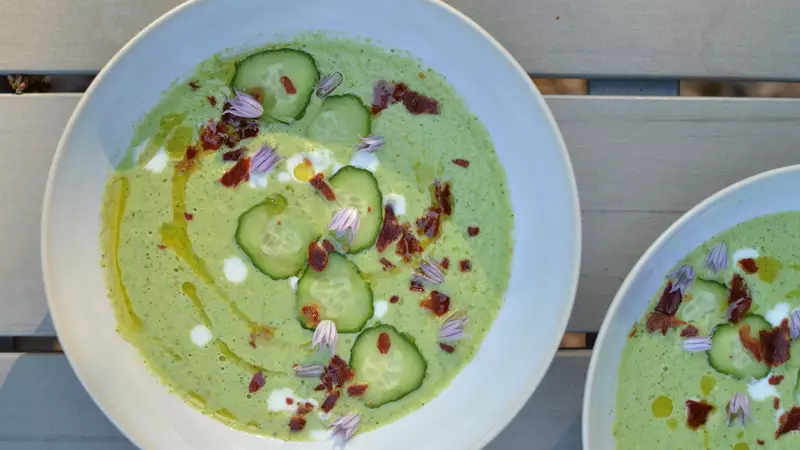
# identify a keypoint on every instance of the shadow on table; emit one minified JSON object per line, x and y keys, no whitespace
{"x":551,"y":420}
{"x":43,"y":406}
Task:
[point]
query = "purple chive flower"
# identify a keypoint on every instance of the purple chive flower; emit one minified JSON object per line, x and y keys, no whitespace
{"x":245,"y":106}
{"x":345,"y":221}
{"x":370,"y":143}
{"x":794,"y":324}
{"x":739,"y":408}
{"x":345,"y":427}
{"x":697,"y":344}
{"x":429,"y":271}
{"x":309,"y":370}
{"x":325,"y":336}
{"x":682,"y":278}
{"x":717,"y":259}
{"x":328,"y":84}
{"x":264,"y":160}
{"x":452,"y":328}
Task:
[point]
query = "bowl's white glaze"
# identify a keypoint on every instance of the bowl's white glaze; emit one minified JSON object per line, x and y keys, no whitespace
{"x":766,"y":193}
{"x":517,"y":350}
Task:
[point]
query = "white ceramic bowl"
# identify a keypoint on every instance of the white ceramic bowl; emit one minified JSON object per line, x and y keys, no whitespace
{"x":766,"y":193}
{"x":517,"y":350}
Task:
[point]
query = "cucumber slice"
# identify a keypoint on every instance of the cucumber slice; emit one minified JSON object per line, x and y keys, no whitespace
{"x":358,"y":188}
{"x":389,"y":376}
{"x":276,"y":238}
{"x":342,"y":119}
{"x":728,"y":355}
{"x":261,"y":74}
{"x":339,"y":293}
{"x":707,"y":305}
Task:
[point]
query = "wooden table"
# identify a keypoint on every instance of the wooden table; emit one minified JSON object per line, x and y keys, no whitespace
{"x":641,"y":158}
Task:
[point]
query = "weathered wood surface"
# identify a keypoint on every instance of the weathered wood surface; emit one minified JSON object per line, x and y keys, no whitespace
{"x":590,"y":38}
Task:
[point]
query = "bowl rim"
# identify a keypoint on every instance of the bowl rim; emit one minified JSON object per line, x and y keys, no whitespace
{"x":634,"y":273}
{"x":549,"y":351}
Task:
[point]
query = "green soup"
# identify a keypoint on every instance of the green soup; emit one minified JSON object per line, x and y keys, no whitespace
{"x":744,"y":309}
{"x":209,"y":323}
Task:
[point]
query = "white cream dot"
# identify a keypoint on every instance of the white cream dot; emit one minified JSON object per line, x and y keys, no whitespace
{"x":235,"y":269}
{"x":158,"y":163}
{"x":776,"y":315}
{"x":761,"y":390}
{"x":293,"y":282}
{"x":365,"y":160}
{"x":201,"y":335}
{"x":397,"y":201}
{"x":381,"y":307}
{"x":258,"y":180}
{"x":284,"y":177}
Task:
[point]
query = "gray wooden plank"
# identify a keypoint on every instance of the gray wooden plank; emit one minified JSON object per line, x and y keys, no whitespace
{"x":595,"y":38}
{"x":628,"y":154}
{"x":29,"y":134}
{"x":43,"y":406}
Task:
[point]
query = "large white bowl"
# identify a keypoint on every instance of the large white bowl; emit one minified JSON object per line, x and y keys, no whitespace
{"x":517,"y":350}
{"x":766,"y":193}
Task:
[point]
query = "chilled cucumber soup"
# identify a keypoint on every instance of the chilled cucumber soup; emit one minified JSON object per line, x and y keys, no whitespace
{"x":221,"y":263}
{"x":715,"y":366}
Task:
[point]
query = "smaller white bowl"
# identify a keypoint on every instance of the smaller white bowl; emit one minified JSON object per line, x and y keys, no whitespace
{"x":769,"y":192}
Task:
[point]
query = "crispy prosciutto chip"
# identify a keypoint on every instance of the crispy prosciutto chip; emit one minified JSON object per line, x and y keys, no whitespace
{"x":776,"y":344}
{"x":443,"y":197}
{"x":317,"y":257}
{"x":384,"y":343}
{"x":263,"y":333}
{"x":390,"y":231}
{"x":297,"y":423}
{"x":752,"y":344}
{"x":669,"y":301}
{"x":658,"y":321}
{"x":330,"y":401}
{"x":473,"y":231}
{"x":429,"y":225}
{"x":407,"y":246}
{"x":416,"y":286}
{"x":233,"y":155}
{"x":775,"y":380}
{"x":304,"y":408}
{"x":319,"y":183}
{"x":311,"y":312}
{"x":697,"y":413}
{"x":326,"y":244}
{"x":257,"y":382}
{"x":465,"y":265}
{"x":238,"y":173}
{"x":336,"y":374}
{"x":385,"y":94}
{"x":689,"y":331}
{"x":357,"y":390}
{"x":740,"y":293}
{"x":446,"y":348}
{"x":445,"y":263}
{"x":748,"y":265}
{"x":288,"y":86}
{"x":788,"y":422}
{"x":394,"y":299}
{"x":437,"y":303}
{"x":776,"y":403}
{"x":387,"y":265}
{"x":210,"y":139}
{"x":194,"y":85}
{"x":461,"y":162}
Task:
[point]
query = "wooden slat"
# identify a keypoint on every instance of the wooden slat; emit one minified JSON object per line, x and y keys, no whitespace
{"x":595,"y":38}
{"x":44,"y":407}
{"x":639,"y":164}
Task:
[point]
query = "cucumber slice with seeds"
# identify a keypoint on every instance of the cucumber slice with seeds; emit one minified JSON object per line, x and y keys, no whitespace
{"x":729,"y":356}
{"x":276,"y":238}
{"x":389,"y":376}
{"x":358,"y":188}
{"x":342,"y":119}
{"x":706,"y":306}
{"x":261,"y":73}
{"x":339,"y":293}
